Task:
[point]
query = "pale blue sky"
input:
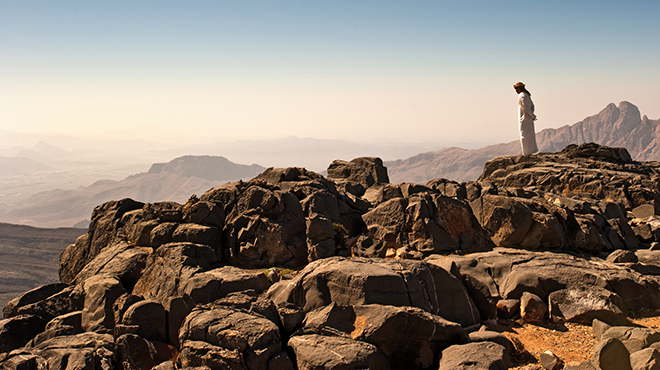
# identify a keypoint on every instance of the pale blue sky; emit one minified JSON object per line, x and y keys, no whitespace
{"x":434,"y":71}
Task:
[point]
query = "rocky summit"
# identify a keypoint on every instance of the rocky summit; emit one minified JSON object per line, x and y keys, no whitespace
{"x":616,"y":126}
{"x":294,"y":270}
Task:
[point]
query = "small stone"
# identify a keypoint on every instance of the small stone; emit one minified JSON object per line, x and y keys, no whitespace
{"x":492,"y":336}
{"x":508,"y":308}
{"x":532,"y":308}
{"x":599,"y":328}
{"x":611,"y":354}
{"x":646,"y":359}
{"x":644,"y":211}
{"x":550,"y":361}
{"x":622,"y":256}
{"x":406,"y":253}
{"x":273,"y":275}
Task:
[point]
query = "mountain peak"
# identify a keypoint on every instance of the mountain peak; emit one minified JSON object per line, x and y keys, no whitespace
{"x":615,"y":126}
{"x":212,"y":168}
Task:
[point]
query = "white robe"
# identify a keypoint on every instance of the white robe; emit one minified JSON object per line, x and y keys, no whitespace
{"x":526,"y":119}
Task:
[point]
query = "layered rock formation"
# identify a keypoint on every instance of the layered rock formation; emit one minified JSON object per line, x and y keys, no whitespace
{"x":293,"y":270}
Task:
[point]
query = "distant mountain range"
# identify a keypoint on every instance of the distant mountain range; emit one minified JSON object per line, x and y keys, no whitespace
{"x":176,"y":181}
{"x":20,"y":166}
{"x":620,"y":126}
{"x":29,"y":174}
{"x":41,"y":184}
{"x":211,"y":168}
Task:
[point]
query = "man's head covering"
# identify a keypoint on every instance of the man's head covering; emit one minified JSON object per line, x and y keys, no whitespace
{"x":519,"y":84}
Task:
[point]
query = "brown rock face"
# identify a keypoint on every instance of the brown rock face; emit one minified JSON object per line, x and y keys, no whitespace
{"x":256,"y":339}
{"x":507,"y":219}
{"x":378,"y":281}
{"x":253,"y":272}
{"x":481,"y":355}
{"x":326,"y":352}
{"x":170,"y":267}
{"x":101,"y":292}
{"x":611,"y":354}
{"x":532,"y":308}
{"x":427,"y":223}
{"x":408,"y":336}
{"x":102,"y":230}
{"x":365,"y":171}
{"x":582,"y":305}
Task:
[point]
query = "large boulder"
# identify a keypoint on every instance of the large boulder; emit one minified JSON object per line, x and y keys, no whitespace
{"x":151,"y":319}
{"x":358,"y":281}
{"x":646,"y":359}
{"x":319,"y":352}
{"x":31,"y":297}
{"x":546,"y":232}
{"x":611,"y":354}
{"x":101,"y":292}
{"x":477,"y":278}
{"x":266,"y":227}
{"x":365,"y":171}
{"x":103,"y":228}
{"x":387,"y":222}
{"x":47,"y":301}
{"x":136,"y":352}
{"x":249,"y":301}
{"x":199,"y":234}
{"x":22,"y":360}
{"x":256,"y":339}
{"x":200,"y":354}
{"x":507,"y":273}
{"x":67,"y":324}
{"x":480,"y":355}
{"x":163,"y":212}
{"x":196,"y":211}
{"x":320,"y":237}
{"x":583,"y":306}
{"x":408,"y":336}
{"x":507,"y":219}
{"x":428,"y":223}
{"x":206,"y":287}
{"x":137,"y":226}
{"x":85,"y":351}
{"x":170,"y":267}
{"x":81,"y":351}
{"x":458,"y":220}
{"x":120,"y":261}
{"x":177,"y":308}
{"x":634,"y":339}
{"x":16,"y":331}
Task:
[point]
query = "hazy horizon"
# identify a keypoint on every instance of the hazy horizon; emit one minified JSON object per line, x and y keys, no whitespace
{"x":60,"y":187}
{"x":365,"y":72}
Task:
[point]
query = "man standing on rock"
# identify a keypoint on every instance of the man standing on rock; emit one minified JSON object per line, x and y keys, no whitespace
{"x":526,"y":119}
